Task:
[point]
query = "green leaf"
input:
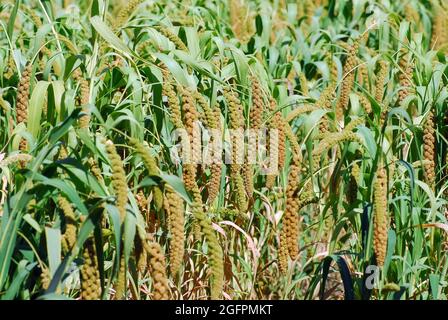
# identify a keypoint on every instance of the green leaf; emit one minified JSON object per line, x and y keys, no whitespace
{"x":53,"y":239}
{"x":23,"y":270}
{"x":129,"y":233}
{"x":175,"y":69}
{"x":12,"y":19}
{"x":434,"y":284}
{"x":177,"y":185}
{"x":391,"y":240}
{"x":114,"y":217}
{"x":107,"y":34}
{"x":369,"y":140}
{"x":35,"y":108}
{"x":33,"y":223}
{"x":65,"y":188}
{"x":57,"y":132}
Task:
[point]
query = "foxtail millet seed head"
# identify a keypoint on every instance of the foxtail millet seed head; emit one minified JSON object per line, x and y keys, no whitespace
{"x":365,"y":103}
{"x":95,"y":169}
{"x":331,"y":140}
{"x":173,"y":100}
{"x":429,"y":154}
{"x":119,"y":182}
{"x":355,"y":173}
{"x":363,"y":75}
{"x":300,"y":110}
{"x":248,"y":179}
{"x":236,"y":115}
{"x":439,"y":24}
{"x":174,"y":208}
{"x":213,"y":121}
{"x":216,"y":165}
{"x":277,"y":122}
{"x":215,"y":181}
{"x":141,"y":256}
{"x":215,"y":256}
{"x":10,"y":67}
{"x":125,"y":12}
{"x":290,"y":216}
{"x":380,"y":216}
{"x":210,"y":116}
{"x":283,"y":254}
{"x":22,"y":158}
{"x":348,"y":80}
{"x":405,"y":76}
{"x":151,"y":166}
{"x":236,"y":121}
{"x":121,"y":283}
{"x":23,"y":90}
{"x":84,"y":93}
{"x":69,"y":237}
{"x":240,"y":188}
{"x":241,"y":20}
{"x":276,"y":148}
{"x":142,"y":202}
{"x":191,"y":118}
{"x":89,"y":273}
{"x":255,"y":123}
{"x":157,"y":262}
{"x":383,"y":70}
{"x":145,"y":154}
{"x":172,"y":37}
{"x":257,"y":109}
{"x":45,"y":278}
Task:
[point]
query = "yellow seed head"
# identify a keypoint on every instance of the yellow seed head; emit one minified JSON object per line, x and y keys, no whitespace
{"x":439,"y":33}
{"x":216,"y":261}
{"x":172,"y":37}
{"x":142,"y":202}
{"x":405,"y":77}
{"x":348,"y":80}
{"x":10,"y":68}
{"x":45,"y":278}
{"x":276,"y":147}
{"x":283,"y":254}
{"x":241,"y":20}
{"x":96,"y":171}
{"x":161,"y":290}
{"x":380,"y":216}
{"x":380,"y":81}
{"x":125,"y":13}
{"x":151,"y":165}
{"x":141,"y":256}
{"x":174,"y":208}
{"x":23,"y":95}
{"x":69,"y":237}
{"x":22,"y":158}
{"x":90,"y":276}
{"x":173,"y":101}
{"x":363,"y":74}
{"x":429,"y":153}
{"x":300,"y":110}
{"x":84,"y":98}
{"x":119,"y":183}
{"x":365,"y":102}
{"x":121,"y":284}
{"x":291,"y":218}
{"x":191,"y":117}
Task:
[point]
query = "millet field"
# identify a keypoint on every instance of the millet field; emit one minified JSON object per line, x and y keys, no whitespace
{"x":223,"y":149}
